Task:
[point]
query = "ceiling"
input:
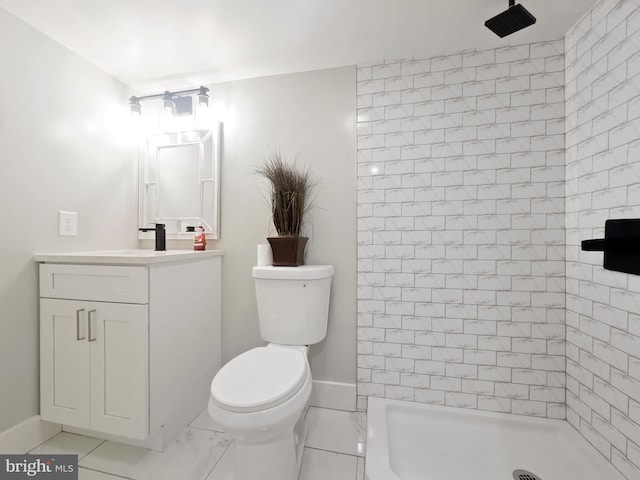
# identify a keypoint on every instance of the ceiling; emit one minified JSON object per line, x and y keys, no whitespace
{"x":153,"y":45}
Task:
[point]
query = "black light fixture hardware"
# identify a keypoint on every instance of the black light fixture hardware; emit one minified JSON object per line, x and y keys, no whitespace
{"x":515,"y":18}
{"x":178,"y":103}
{"x":621,"y":245}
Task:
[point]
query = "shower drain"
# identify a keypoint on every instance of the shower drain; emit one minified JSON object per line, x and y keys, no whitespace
{"x":524,"y":475}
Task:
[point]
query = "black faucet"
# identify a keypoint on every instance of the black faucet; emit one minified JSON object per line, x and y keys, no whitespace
{"x":161,"y":236}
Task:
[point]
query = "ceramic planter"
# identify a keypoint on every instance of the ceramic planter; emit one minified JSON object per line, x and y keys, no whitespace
{"x":288,"y":251}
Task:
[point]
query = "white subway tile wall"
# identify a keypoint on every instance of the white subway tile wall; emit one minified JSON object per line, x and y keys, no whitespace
{"x":461,"y":255}
{"x":475,"y":191}
{"x":602,"y":181}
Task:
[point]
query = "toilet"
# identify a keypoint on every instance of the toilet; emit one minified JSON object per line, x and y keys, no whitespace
{"x":260,"y":397}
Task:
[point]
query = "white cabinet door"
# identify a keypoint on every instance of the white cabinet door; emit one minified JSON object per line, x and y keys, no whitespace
{"x":64,"y":362}
{"x":94,"y":364}
{"x":119,"y":340}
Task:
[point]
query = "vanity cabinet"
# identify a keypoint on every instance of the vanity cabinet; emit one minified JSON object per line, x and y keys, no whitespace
{"x":95,"y":364}
{"x":128,"y":351}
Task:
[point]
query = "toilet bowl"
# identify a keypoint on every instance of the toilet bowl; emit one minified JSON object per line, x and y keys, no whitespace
{"x":259,"y":398}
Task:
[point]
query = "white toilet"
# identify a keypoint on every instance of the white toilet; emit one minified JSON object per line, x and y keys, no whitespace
{"x":259,"y":397}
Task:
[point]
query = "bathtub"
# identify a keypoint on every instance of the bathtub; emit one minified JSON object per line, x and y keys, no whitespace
{"x":410,"y":441}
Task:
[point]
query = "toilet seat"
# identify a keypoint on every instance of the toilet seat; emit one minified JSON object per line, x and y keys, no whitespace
{"x":259,"y":379}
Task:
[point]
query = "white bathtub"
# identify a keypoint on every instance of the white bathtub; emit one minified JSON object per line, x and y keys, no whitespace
{"x":409,"y":441}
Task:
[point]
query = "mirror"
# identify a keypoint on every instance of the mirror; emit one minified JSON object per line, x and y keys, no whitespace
{"x":180,"y":182}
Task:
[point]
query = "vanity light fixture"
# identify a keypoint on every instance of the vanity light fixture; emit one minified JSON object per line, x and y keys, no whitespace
{"x":134,"y":106}
{"x":167,"y":102}
{"x":177,"y":103}
{"x":203,"y":97}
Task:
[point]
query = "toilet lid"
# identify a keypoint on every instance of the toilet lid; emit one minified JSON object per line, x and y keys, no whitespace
{"x":259,"y":379}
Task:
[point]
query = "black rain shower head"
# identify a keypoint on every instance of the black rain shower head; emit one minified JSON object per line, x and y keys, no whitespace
{"x":515,"y":18}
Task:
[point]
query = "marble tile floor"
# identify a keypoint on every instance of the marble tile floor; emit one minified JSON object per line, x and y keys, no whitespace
{"x":334,"y":450}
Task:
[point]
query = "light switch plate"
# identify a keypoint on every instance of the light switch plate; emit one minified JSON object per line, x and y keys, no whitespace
{"x":68,"y":224}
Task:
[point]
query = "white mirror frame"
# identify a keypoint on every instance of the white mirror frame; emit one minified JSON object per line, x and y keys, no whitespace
{"x":209,"y":173}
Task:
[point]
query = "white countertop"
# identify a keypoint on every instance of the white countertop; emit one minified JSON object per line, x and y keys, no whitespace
{"x":125,"y":257}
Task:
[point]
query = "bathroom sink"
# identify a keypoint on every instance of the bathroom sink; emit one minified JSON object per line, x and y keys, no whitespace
{"x":123,"y":257}
{"x":134,"y":253}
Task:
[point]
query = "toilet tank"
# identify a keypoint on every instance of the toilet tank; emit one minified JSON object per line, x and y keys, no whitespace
{"x":293,"y":303}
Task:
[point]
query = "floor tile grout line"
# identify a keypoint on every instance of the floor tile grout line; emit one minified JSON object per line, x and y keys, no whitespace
{"x":48,"y":440}
{"x":218,"y":461}
{"x":106,"y":473}
{"x":69,"y":433}
{"x":208,"y":430}
{"x":364,"y":468}
{"x":90,"y":451}
{"x":333,"y":451}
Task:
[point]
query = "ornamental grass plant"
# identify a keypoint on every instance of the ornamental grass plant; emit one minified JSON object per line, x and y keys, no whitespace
{"x":291,"y":193}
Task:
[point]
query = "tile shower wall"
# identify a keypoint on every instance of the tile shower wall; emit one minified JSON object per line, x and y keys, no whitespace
{"x":461,"y":241}
{"x":603,"y":181}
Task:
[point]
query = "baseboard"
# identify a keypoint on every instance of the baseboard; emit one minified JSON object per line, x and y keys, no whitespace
{"x":27,"y":435}
{"x":339,"y":396}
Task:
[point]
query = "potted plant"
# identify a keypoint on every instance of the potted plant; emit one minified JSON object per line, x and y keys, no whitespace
{"x":290,"y":196}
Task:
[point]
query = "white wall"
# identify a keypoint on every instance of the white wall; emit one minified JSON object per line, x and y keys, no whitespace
{"x":461,"y":230}
{"x":62,"y":151}
{"x":603,"y":177}
{"x":311,"y":114}
{"x":59,"y":150}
